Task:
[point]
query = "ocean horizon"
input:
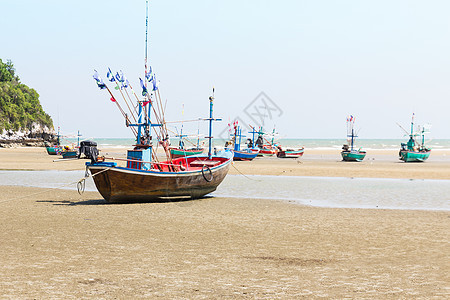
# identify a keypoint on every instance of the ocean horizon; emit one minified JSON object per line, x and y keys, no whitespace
{"x":308,"y":143}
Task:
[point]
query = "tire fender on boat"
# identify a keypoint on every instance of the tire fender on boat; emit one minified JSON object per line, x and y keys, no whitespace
{"x":209,"y":171}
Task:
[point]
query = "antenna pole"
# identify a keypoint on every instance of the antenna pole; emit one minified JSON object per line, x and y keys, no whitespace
{"x":211,"y":104}
{"x":146,"y":35}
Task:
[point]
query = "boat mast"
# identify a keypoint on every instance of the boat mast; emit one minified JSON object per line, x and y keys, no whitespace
{"x":353,"y":137}
{"x":147,"y":115}
{"x":350,"y":131}
{"x":423,"y":137}
{"x":211,"y":119}
{"x":211,"y":104}
{"x":237,"y":133}
{"x":253,"y":136}
{"x":58,"y":141}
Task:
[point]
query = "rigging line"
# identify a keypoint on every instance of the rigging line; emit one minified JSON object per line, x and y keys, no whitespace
{"x":243,"y":173}
{"x":185,"y":121}
{"x":121,"y":110}
{"x":158,"y":115}
{"x":186,"y":139}
{"x":131,"y":111}
{"x":126,"y":102}
{"x":162,"y":108}
{"x":51,"y":189}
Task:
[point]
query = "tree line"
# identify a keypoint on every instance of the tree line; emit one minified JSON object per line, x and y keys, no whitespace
{"x":19,"y":104}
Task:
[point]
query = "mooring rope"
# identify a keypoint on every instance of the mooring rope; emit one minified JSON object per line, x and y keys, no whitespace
{"x":81,"y":184}
{"x":243,"y":173}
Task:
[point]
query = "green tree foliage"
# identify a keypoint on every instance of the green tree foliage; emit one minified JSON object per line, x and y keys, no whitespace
{"x":19,"y":104}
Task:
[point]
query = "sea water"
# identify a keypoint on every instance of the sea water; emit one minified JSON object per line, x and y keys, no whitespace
{"x":314,"y":191}
{"x":325,"y":144}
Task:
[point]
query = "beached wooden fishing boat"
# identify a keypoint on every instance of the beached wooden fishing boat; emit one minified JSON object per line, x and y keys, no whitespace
{"x":290,"y":152}
{"x":191,"y":177}
{"x":145,"y":177}
{"x":349,"y":153}
{"x":413,"y":150}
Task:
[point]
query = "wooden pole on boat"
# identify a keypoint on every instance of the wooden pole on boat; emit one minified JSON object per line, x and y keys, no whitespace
{"x":211,"y":100}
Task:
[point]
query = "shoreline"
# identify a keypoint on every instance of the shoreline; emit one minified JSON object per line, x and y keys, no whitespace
{"x":317,"y":163}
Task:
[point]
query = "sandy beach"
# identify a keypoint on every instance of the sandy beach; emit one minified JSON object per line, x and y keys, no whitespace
{"x":59,"y":244}
{"x":379,"y":164}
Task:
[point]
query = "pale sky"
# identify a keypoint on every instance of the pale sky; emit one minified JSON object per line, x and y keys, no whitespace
{"x":318,"y":61}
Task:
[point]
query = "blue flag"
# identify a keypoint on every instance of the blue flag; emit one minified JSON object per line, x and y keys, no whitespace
{"x":110,"y":75}
{"x":120,"y":77}
{"x":125,"y":83}
{"x":99,"y":81}
{"x":155,"y":83}
{"x":149,"y":74}
{"x":144,"y":89}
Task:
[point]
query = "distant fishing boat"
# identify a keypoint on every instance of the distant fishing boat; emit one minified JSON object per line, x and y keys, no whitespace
{"x":177,"y":152}
{"x":349,"y":153}
{"x":266,"y":148}
{"x":55,"y":149}
{"x":290,"y":152}
{"x":71,"y":152}
{"x":181,"y":151}
{"x":145,"y":177}
{"x":413,"y":150}
{"x":242,"y":154}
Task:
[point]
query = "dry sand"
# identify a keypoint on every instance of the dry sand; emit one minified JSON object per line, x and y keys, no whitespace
{"x":58,"y":244}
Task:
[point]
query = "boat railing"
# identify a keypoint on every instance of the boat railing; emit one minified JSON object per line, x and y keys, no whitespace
{"x":175,"y":167}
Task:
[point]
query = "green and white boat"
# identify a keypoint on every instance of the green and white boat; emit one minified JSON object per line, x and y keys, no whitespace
{"x":181,"y":151}
{"x":349,"y":153}
{"x":414,"y":150}
{"x":55,"y":149}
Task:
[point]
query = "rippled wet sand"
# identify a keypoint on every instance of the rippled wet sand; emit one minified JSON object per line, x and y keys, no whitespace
{"x":57,"y":244}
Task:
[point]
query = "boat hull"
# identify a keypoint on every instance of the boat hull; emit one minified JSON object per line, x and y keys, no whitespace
{"x":176,"y":153}
{"x":353,"y":156}
{"x":414,"y":156}
{"x":69,"y":154}
{"x":122,"y":185}
{"x":245,"y":155}
{"x":267,"y":151}
{"x":290,"y":153}
{"x":55,"y":150}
